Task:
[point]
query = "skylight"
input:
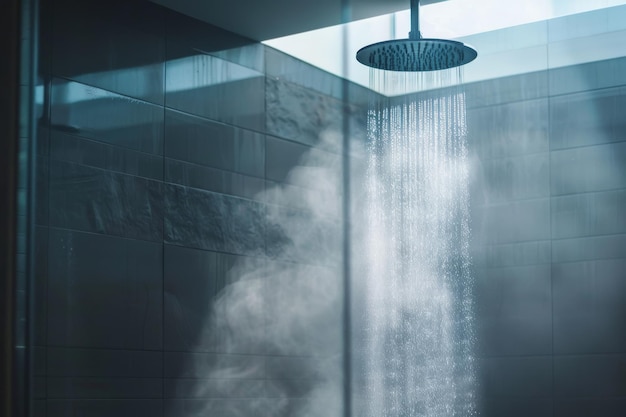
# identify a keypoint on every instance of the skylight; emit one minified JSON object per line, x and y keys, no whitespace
{"x":495,"y":28}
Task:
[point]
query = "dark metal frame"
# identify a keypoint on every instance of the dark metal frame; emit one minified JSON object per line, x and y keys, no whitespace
{"x":9,"y":136}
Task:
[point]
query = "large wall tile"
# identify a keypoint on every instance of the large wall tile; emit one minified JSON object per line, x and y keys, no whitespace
{"x":94,"y":200}
{"x":289,"y":162}
{"x":39,"y":408}
{"x":516,"y":377}
{"x":282,"y":157}
{"x":591,"y":168}
{"x":517,"y":407}
{"x":520,"y":221}
{"x":94,"y":388}
{"x":211,"y":179}
{"x":282,"y":66}
{"x":514,"y":311}
{"x":590,"y":407}
{"x":72,"y":362}
{"x":204,"y":142}
{"x":588,"y":118}
{"x":39,"y":361}
{"x":211,"y":221}
{"x":216,"y":89}
{"x":39,"y":387}
{"x":589,"y":214}
{"x":69,"y":148}
{"x":204,"y":292}
{"x":512,"y":129}
{"x":589,"y":76}
{"x":590,"y":376}
{"x":512,"y":254}
{"x":500,"y":91}
{"x":39,"y":372}
{"x":191,"y":286}
{"x":589,"y":306}
{"x":583,"y":249}
{"x":104,"y":292}
{"x":508,"y":179}
{"x":120,"y":46}
{"x":300,"y":114}
{"x":107,"y":117}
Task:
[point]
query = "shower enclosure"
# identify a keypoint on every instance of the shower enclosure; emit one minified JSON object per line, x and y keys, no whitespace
{"x":192,"y":204}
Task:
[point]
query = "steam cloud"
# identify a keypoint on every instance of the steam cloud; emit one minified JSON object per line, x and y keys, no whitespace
{"x":285,"y":310}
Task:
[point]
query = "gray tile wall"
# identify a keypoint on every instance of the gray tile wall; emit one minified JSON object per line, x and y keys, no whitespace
{"x":549,"y":222}
{"x":179,"y":262}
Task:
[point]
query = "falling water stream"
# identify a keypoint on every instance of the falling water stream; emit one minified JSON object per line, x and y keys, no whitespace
{"x":417,"y":352}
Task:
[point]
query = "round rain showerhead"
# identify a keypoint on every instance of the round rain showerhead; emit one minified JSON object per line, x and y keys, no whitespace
{"x":416,"y":55}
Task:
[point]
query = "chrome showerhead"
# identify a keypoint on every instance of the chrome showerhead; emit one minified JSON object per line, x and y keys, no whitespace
{"x":416,"y":53}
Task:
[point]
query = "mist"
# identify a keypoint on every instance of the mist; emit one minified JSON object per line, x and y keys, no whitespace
{"x":283,"y":311}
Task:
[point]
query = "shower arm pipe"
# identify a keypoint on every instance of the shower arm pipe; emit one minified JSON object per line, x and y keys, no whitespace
{"x":415,"y":20}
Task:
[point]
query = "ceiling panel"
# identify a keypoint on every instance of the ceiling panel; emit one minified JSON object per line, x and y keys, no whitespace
{"x":268,"y":19}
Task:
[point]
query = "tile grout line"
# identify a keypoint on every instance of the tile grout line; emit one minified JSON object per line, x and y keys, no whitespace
{"x":549,"y":126}
{"x":264,"y":285}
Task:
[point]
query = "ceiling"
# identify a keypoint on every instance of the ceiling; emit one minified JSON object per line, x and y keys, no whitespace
{"x":268,"y":19}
